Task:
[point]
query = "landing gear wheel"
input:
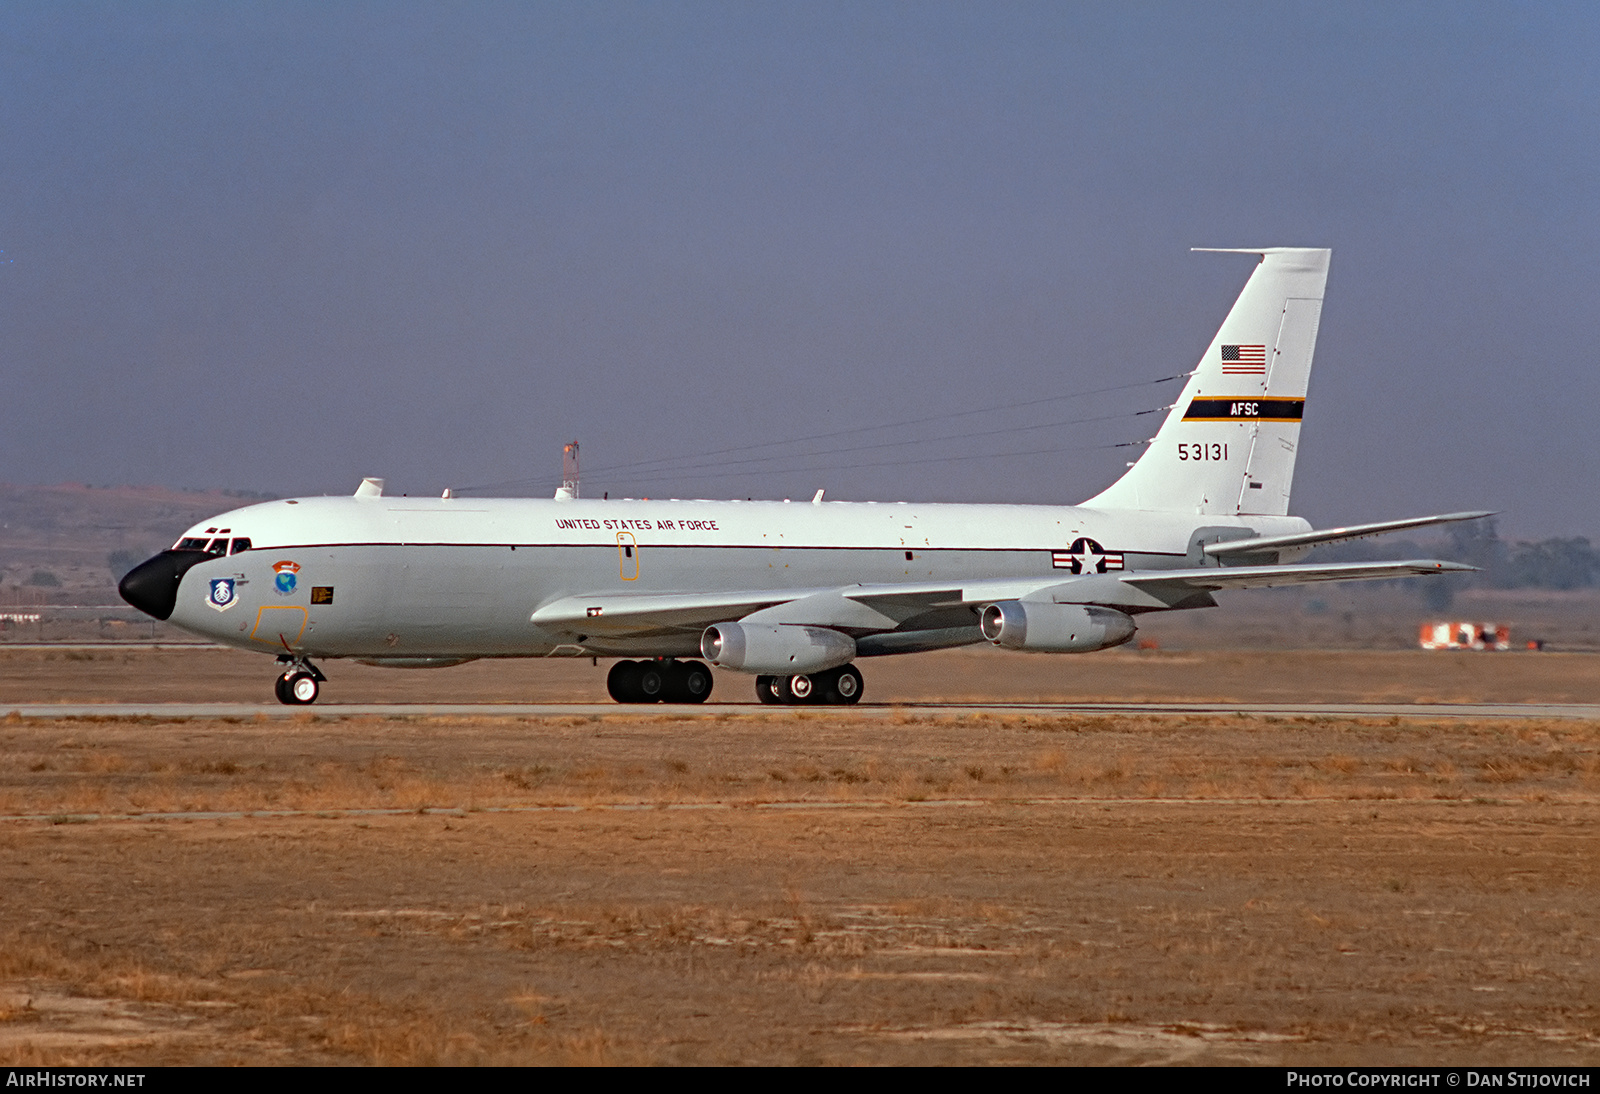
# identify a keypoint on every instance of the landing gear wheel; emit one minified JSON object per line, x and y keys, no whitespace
{"x":767,"y":689}
{"x":844,"y":687}
{"x":622,"y":682}
{"x":299,"y":681}
{"x":795,"y":689}
{"x":651,"y":682}
{"x":297,"y":688}
{"x":689,"y":682}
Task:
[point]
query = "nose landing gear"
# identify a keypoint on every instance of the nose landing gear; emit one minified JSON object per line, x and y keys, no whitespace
{"x":300,"y":683}
{"x":836,"y":687}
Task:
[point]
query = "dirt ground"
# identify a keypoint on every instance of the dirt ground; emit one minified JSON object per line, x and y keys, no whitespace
{"x":804,"y":886}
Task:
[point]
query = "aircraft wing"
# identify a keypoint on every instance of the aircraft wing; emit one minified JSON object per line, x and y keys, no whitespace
{"x":885,"y":607}
{"x":870,"y":607}
{"x":1144,"y":588}
{"x":629,"y":613}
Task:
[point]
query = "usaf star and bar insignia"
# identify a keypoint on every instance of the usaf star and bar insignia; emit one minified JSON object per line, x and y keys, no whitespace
{"x":1086,"y":557}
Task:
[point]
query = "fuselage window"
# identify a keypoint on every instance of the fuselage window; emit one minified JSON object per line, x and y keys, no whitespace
{"x":240,"y":544}
{"x":191,"y":544}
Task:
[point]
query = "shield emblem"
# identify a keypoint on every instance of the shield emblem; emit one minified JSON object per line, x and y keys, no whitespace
{"x":222,"y":595}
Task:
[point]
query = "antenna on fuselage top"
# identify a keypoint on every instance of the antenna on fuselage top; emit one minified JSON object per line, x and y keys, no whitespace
{"x":569,"y":472}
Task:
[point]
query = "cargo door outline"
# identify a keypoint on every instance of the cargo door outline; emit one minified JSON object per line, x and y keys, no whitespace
{"x":276,"y":625}
{"x":628,"y":556}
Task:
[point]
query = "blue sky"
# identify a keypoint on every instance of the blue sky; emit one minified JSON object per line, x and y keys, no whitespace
{"x":282,"y":246}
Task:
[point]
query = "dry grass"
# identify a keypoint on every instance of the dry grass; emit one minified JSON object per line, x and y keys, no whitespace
{"x":416,"y":764}
{"x":841,"y":888}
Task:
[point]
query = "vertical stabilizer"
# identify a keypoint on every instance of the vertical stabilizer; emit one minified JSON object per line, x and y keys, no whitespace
{"x":1228,"y":446}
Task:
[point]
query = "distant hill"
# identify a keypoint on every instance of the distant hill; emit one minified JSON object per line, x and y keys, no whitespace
{"x":70,"y":543}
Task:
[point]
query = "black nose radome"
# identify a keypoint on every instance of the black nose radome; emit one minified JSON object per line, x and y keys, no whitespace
{"x":152,"y":586}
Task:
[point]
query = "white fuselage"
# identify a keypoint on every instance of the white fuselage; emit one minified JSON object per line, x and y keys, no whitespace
{"x":399,"y":578}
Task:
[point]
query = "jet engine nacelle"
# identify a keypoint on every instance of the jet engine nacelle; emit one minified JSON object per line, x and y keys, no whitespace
{"x":1054,"y":628}
{"x":781,"y":650}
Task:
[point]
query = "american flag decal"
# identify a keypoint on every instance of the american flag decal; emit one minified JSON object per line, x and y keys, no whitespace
{"x":1244,"y":360}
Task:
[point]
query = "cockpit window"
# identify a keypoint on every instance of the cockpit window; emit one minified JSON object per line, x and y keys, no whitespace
{"x":240,"y":544}
{"x":218,"y":546}
{"x":191,"y":543}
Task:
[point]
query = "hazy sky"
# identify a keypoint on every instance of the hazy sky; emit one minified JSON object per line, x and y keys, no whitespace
{"x":282,"y":246}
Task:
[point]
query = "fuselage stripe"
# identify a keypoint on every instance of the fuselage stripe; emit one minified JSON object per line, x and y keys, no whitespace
{"x":656,"y":546}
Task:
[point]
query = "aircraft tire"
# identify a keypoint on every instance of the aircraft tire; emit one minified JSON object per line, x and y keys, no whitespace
{"x":280,"y":688}
{"x":622,"y":682}
{"x":650,"y":685}
{"x":796,"y":690}
{"x":300,"y":689}
{"x":767,"y":689}
{"x":844,"y":686}
{"x":690,"y":682}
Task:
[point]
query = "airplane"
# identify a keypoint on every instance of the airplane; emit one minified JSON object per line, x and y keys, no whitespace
{"x":792,"y":593}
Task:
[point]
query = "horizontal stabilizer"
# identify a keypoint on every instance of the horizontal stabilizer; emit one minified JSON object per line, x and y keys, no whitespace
{"x":1211,"y":578}
{"x":1331,"y":535}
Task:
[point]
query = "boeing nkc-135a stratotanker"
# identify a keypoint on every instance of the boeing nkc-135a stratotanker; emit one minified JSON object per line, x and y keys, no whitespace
{"x":791,"y":593}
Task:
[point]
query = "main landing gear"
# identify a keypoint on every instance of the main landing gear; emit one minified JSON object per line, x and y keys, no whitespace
{"x":840,"y":686}
{"x":300,"y":682}
{"x":660,"y":681}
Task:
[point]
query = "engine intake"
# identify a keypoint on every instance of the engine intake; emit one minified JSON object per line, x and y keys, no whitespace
{"x":778,"y":649}
{"x":1054,"y":628}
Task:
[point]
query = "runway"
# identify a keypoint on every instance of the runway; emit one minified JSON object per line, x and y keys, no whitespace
{"x":328,"y":711}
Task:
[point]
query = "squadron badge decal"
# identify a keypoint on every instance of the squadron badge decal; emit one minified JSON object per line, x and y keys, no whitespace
{"x":222,"y":595}
{"x":284,"y":583}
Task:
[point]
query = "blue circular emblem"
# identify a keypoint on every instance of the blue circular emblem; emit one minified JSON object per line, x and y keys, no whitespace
{"x":285,"y":582}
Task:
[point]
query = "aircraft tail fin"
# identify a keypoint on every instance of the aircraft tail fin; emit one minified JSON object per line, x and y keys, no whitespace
{"x":1228,"y":445}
